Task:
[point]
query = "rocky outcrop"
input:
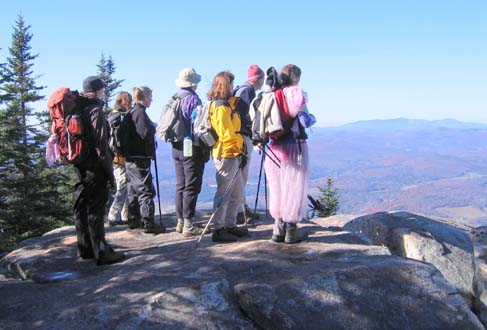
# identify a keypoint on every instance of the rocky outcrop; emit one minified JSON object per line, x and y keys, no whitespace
{"x":457,"y":251}
{"x":478,"y":236}
{"x":339,"y":279}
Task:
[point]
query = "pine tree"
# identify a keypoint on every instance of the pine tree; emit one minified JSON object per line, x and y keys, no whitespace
{"x":106,"y":69}
{"x":330,"y":199}
{"x":31,"y":198}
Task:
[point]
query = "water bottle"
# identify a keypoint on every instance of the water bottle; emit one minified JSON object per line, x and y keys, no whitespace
{"x":187,"y":147}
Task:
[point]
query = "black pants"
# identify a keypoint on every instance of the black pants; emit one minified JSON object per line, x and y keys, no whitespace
{"x":189,"y":177}
{"x":91,"y":194}
{"x":140,"y":191}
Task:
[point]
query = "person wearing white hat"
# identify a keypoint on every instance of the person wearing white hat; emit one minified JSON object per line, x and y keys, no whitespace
{"x":189,"y":167}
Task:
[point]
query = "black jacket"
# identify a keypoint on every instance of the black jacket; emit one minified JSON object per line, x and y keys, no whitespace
{"x":97,"y":131}
{"x":141,"y":142}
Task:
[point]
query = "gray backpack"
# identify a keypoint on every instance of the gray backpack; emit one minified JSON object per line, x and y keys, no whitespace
{"x":204,"y":134}
{"x":172,"y":127}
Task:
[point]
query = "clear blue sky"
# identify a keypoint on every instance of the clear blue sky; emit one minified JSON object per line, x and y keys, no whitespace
{"x":360,"y":59}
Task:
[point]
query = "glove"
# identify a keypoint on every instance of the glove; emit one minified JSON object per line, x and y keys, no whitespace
{"x":243,"y":160}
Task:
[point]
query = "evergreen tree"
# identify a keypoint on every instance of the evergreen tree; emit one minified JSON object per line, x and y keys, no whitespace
{"x":31,"y":198}
{"x":106,"y":69}
{"x":330,"y":199}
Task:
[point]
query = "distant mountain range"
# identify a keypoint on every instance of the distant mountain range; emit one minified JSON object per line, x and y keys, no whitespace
{"x":436,"y":168}
{"x":409,"y":124}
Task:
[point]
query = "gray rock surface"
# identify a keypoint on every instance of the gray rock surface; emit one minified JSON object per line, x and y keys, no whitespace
{"x":445,"y":245}
{"x":335,"y":280}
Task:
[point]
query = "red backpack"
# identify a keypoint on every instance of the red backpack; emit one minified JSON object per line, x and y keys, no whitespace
{"x":65,"y":108}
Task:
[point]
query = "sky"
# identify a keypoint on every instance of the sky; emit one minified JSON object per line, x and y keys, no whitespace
{"x":360,"y":60}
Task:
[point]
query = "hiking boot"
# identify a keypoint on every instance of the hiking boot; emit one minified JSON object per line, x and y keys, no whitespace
{"x":156,"y":230}
{"x":293,"y":235}
{"x":238,"y":231}
{"x":86,"y":255}
{"x":278,"y":238}
{"x":112,"y":223}
{"x":191,"y":231}
{"x":133,"y":224}
{"x":179,"y":227}
{"x":240,"y":218}
{"x":109,"y":257}
{"x":279,"y":231}
{"x":223,"y":236}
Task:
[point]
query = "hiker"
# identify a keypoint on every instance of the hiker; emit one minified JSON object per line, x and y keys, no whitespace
{"x":246,"y":93}
{"x":288,"y":180}
{"x":139,"y":149}
{"x":189,"y":167}
{"x":93,"y":176}
{"x":118,"y":214}
{"x":229,"y":157}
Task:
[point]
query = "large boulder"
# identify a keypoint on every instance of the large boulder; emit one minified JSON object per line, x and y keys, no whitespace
{"x":335,"y":280}
{"x":447,"y":246}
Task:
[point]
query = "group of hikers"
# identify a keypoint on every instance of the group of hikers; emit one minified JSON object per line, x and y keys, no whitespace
{"x":272,"y":121}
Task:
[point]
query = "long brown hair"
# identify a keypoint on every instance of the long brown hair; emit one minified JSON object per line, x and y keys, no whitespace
{"x":124,"y":99}
{"x":221,"y":88}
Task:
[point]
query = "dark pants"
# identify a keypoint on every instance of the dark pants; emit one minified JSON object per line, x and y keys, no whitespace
{"x":189,"y":177}
{"x":141,"y":192}
{"x":89,"y":209}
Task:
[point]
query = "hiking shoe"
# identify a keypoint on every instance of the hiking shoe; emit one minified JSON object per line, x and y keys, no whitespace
{"x":156,"y":230}
{"x":293,"y":235}
{"x":109,"y":257}
{"x":86,"y":256}
{"x":279,"y":231}
{"x":278,"y":238}
{"x":179,"y":227}
{"x":112,"y":223}
{"x":223,"y":236}
{"x":85,"y":252}
{"x":238,"y":231}
{"x":240,"y":218}
{"x":133,"y":224}
{"x":250,"y":213}
{"x":191,"y":231}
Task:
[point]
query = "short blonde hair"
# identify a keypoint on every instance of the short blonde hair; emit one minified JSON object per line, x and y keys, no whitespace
{"x":141,"y":93}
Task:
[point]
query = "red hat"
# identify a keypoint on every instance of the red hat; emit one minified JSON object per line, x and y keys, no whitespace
{"x":254,"y":73}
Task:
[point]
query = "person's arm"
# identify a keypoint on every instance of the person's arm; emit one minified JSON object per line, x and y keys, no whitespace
{"x":100,"y":138}
{"x":143,"y":125}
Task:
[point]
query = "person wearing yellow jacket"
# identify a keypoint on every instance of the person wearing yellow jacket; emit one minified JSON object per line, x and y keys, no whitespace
{"x":228,"y":157}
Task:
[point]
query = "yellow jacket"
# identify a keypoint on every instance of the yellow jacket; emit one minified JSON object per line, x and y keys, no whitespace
{"x":225,"y":120}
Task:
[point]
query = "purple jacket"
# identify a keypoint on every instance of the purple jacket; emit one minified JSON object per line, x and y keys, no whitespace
{"x":189,"y":101}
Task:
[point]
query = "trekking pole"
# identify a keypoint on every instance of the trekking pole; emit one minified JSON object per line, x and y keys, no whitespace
{"x":276,"y":161}
{"x":158,"y":191}
{"x":276,"y":158}
{"x":265,"y":195}
{"x":258,"y":187}
{"x":224,"y":197}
